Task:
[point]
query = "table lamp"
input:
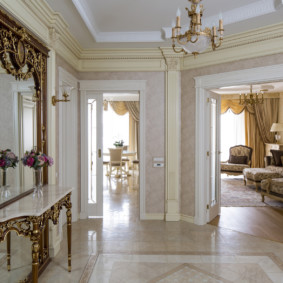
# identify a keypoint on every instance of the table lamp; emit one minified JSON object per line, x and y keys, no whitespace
{"x":277,"y":127}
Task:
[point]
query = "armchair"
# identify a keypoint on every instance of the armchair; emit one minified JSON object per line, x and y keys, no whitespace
{"x":239,"y":159}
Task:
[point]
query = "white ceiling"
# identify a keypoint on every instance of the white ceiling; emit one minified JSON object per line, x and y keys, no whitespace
{"x":147,"y":23}
{"x":274,"y":87}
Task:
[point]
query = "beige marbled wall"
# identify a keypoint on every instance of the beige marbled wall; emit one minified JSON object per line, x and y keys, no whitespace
{"x":154,"y":130}
{"x":188,"y":120}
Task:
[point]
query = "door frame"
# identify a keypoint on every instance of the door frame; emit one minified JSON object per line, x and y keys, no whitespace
{"x":202,"y":85}
{"x":101,"y":86}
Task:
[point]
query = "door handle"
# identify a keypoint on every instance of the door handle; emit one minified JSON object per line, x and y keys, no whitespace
{"x":99,"y":153}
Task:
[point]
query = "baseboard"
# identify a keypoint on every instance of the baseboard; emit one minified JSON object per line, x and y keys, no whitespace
{"x":187,"y":218}
{"x":53,"y":251}
{"x":83,"y":215}
{"x":172,"y":217}
{"x":152,"y":216}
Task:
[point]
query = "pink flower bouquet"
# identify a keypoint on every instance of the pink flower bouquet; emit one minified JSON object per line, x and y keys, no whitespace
{"x":36,"y":159}
{"x":8,"y":159}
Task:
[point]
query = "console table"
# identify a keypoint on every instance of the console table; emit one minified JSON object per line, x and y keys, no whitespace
{"x":29,"y":217}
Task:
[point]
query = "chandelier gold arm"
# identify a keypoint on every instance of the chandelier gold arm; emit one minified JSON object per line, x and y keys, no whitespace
{"x":178,"y":51}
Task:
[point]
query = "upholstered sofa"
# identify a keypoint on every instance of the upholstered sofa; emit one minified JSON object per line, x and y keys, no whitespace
{"x":273,"y":169}
{"x":273,"y":187}
{"x":239,"y":159}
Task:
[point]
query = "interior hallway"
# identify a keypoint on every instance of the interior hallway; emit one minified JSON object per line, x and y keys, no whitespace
{"x":131,"y":250}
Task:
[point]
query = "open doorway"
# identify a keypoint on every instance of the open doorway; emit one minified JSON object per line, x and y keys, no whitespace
{"x":242,"y":126}
{"x":121,"y":116}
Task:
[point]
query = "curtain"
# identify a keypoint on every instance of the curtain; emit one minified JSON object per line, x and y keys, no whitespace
{"x":119,"y":107}
{"x":134,"y":110}
{"x":232,"y":104}
{"x":133,"y":107}
{"x":258,"y":121}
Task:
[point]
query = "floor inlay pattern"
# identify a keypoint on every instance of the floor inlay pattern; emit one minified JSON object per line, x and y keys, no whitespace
{"x":210,"y":268}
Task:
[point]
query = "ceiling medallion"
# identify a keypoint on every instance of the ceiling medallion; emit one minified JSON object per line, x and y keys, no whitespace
{"x":252,"y":98}
{"x":195,"y":40}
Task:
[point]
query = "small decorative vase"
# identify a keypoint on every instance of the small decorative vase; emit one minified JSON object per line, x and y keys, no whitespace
{"x":4,"y":177}
{"x":5,"y":193}
{"x":37,"y":189}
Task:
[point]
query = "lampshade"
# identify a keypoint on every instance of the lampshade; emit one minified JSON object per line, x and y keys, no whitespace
{"x":277,"y":127}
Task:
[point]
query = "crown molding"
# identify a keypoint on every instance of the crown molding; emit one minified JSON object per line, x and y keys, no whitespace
{"x":54,"y":31}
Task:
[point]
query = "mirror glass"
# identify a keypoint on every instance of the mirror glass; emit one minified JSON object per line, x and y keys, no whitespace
{"x":18,"y":131}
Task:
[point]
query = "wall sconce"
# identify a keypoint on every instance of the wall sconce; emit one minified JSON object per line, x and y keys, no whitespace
{"x":66,"y":91}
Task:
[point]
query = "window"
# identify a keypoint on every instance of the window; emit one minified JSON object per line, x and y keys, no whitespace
{"x":232,"y":132}
{"x":115,"y":127}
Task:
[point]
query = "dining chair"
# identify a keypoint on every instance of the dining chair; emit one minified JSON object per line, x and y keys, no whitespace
{"x":116,"y":161}
{"x":126,"y":159}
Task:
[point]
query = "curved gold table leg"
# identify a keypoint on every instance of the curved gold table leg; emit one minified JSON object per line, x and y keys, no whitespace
{"x":9,"y":251}
{"x":35,"y":251}
{"x":69,"y":235}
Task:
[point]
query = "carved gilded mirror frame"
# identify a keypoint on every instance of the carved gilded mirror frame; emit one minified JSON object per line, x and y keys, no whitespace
{"x":24,"y":56}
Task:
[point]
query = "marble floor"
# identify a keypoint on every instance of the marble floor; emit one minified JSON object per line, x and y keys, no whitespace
{"x":121,"y":248}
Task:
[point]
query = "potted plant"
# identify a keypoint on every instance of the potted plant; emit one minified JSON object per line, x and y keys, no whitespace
{"x":119,"y":143}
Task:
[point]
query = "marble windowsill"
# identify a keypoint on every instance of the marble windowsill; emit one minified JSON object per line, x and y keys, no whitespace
{"x":32,"y":206}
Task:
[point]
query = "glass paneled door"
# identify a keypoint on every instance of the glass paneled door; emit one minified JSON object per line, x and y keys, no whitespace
{"x":214,"y":156}
{"x":94,"y":156}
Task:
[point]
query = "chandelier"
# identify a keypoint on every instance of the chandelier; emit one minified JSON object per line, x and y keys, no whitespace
{"x":252,"y":98}
{"x":195,"y":40}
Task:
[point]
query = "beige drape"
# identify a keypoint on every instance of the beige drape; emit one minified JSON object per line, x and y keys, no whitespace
{"x":258,"y":121}
{"x":133,"y":107}
{"x":119,"y":107}
{"x":232,"y":104}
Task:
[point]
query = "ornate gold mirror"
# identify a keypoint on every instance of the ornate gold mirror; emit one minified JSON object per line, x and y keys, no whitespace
{"x":23,"y":110}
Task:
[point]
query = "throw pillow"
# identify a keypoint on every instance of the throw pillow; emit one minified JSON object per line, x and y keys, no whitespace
{"x":277,"y":156}
{"x":238,"y":159}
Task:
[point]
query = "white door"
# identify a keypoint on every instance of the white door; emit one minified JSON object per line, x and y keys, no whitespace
{"x":213,"y":154}
{"x":93,"y":155}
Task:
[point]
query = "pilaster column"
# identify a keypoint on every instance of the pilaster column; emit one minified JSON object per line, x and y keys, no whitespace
{"x":173,"y":129}
{"x":54,"y":235}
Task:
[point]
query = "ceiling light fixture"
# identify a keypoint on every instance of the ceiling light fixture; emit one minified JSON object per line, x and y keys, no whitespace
{"x":252,"y":98}
{"x":195,"y":40}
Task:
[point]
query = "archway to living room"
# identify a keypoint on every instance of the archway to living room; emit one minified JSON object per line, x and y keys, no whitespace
{"x":240,"y":133}
{"x":242,"y":217}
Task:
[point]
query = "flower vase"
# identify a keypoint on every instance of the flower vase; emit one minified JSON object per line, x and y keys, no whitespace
{"x":37,"y":189}
{"x":5,"y":193}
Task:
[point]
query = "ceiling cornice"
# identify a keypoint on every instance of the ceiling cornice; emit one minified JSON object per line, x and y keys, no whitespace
{"x":88,"y":18}
{"x":53,"y":30}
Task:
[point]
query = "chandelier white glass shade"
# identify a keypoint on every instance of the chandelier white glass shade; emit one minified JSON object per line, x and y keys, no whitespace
{"x":252,"y":98}
{"x":195,"y":40}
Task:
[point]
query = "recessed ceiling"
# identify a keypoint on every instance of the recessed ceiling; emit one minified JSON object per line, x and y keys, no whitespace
{"x":147,"y":23}
{"x":274,"y":87}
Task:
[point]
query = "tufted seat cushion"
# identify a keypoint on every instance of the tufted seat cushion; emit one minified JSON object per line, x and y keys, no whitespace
{"x":230,"y":167}
{"x":273,"y":185}
{"x":258,"y":174}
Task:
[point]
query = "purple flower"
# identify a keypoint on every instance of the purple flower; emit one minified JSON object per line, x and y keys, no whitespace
{"x":30,"y":161}
{"x":2,"y":163}
{"x":50,"y":161}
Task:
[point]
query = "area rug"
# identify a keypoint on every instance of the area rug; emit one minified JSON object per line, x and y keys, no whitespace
{"x":235,"y":194}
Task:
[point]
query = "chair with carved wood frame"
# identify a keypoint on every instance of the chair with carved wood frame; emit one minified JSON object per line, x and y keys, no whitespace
{"x":239,"y":158}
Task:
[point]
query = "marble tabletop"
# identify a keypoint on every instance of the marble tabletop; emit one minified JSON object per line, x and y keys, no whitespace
{"x":33,"y":206}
